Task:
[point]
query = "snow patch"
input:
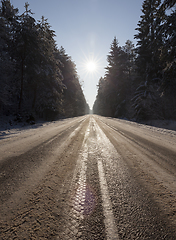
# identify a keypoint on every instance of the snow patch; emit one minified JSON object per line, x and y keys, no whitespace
{"x":10,"y":127}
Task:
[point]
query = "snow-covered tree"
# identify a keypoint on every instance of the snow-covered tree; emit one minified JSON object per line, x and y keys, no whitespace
{"x":8,"y":24}
{"x":30,"y":78}
{"x":148,"y":61}
{"x":149,"y":39}
{"x":47,"y":84}
{"x":115,"y":88}
{"x":73,"y":98}
{"x":26,"y":42}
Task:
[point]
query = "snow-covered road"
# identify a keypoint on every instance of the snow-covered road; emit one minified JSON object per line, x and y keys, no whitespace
{"x":89,"y":177}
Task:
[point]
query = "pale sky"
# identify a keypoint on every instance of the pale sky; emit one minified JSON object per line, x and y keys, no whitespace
{"x":86,"y":29}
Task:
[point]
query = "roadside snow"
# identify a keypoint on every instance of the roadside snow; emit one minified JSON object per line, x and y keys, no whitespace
{"x":8,"y":127}
{"x":18,"y":139}
{"x":160,"y":126}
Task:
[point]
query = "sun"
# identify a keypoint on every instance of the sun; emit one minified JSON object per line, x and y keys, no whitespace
{"x":91,"y":66}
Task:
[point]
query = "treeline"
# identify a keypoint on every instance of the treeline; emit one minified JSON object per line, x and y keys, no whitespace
{"x":140,"y":82}
{"x":36,"y":78}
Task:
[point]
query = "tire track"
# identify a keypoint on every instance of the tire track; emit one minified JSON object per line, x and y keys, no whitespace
{"x":107,"y":206}
{"x":74,"y":213}
{"x":79,"y":206}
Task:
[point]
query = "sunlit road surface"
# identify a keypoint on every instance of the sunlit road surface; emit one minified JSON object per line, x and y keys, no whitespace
{"x":89,"y":177}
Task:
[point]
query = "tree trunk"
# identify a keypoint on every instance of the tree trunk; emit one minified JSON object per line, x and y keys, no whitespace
{"x":35,"y":95}
{"x":22,"y":82}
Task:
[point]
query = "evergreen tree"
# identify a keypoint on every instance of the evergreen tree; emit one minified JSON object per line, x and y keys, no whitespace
{"x":8,"y":24}
{"x":115,"y":66}
{"x":26,"y":42}
{"x":130,"y":57}
{"x":48,"y":86}
{"x":146,"y":76}
{"x":148,"y":39}
{"x":148,"y":62}
{"x":115,"y":88}
{"x":117,"y":76}
{"x":100,"y":104}
{"x":169,"y":3}
{"x":168,"y":59}
{"x":113,"y":77}
{"x":31,"y":78}
{"x":73,"y":98}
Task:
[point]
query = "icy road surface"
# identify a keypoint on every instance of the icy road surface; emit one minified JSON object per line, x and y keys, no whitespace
{"x":89,"y":177}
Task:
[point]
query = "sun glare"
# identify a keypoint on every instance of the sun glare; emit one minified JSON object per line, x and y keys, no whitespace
{"x":91,"y":66}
